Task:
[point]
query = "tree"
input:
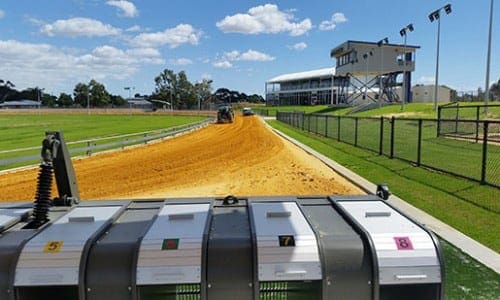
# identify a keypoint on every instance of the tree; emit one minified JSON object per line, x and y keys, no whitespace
{"x":99,"y":97}
{"x":80,"y":92}
{"x":48,"y":100}
{"x":203,"y":90}
{"x":164,"y":89}
{"x":495,"y":90}
{"x":117,"y":100}
{"x":64,"y":100}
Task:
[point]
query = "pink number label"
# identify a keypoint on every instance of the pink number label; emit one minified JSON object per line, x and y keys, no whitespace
{"x":403,"y":243}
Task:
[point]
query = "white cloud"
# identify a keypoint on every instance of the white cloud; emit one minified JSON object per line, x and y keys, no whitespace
{"x":173,"y":37}
{"x":337,"y":18}
{"x":134,"y":28}
{"x":75,"y":27}
{"x":180,"y":61}
{"x":299,"y":46}
{"x":252,"y":55}
{"x":223,"y":64}
{"x":127,"y":8}
{"x":2,"y":14}
{"x":31,"y":64}
{"x":264,"y":19}
{"x":426,"y":80}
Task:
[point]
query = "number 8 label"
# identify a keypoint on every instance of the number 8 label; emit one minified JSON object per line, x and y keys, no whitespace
{"x":403,"y":243}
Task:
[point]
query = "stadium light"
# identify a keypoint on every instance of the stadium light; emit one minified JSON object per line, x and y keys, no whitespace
{"x":380,"y":84}
{"x":366,"y":56}
{"x":403,"y":33}
{"x":488,"y":58}
{"x":436,"y":16}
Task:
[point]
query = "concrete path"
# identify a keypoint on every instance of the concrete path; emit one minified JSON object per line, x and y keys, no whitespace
{"x":476,"y":250}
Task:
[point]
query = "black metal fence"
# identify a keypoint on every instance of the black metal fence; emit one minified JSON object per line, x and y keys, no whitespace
{"x":451,"y":115}
{"x":414,"y":140}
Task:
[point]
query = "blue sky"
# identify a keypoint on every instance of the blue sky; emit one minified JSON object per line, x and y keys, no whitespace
{"x":238,"y":44}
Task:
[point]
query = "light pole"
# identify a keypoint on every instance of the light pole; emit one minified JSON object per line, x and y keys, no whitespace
{"x":88,"y":101}
{"x":366,"y":56}
{"x":403,"y":33}
{"x":39,"y":91}
{"x":436,"y":16}
{"x":381,"y":84}
{"x":487,"y":96}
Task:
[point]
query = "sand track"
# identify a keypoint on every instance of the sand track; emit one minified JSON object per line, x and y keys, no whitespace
{"x":243,"y":159}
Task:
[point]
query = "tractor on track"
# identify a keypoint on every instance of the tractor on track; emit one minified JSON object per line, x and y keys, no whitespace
{"x":225,"y":114}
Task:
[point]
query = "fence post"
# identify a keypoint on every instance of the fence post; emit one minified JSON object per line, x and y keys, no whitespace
{"x":485,"y":152}
{"x":317,"y":127}
{"x":393,"y":120}
{"x":381,"y":142}
{"x":326,"y":125}
{"x":419,"y":143}
{"x":456,"y":120}
{"x":355,"y":131}
{"x":439,"y":121}
{"x":308,"y":123}
{"x":303,"y":121}
{"x":477,"y":124}
{"x":338,"y":128}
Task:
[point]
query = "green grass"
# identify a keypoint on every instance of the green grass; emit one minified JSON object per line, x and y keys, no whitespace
{"x":448,"y":198}
{"x":411,"y":110}
{"x":27,"y":131}
{"x":452,"y":155}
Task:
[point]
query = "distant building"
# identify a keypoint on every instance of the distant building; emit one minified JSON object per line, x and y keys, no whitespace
{"x":19,"y":104}
{"x":425,"y":93}
{"x":375,"y":67}
{"x":139,"y":103}
{"x":304,"y":88}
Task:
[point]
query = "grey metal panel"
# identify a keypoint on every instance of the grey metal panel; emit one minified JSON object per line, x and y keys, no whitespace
{"x":298,"y":260}
{"x":11,"y":244}
{"x":230,"y":254}
{"x":10,"y":216}
{"x":40,"y":264}
{"x":183,"y":224}
{"x":346,"y":263}
{"x":111,"y":260}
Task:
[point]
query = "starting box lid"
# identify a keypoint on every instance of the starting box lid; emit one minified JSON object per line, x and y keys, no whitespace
{"x":286,"y":245}
{"x":406,"y":253}
{"x":170,"y":252}
{"x":52,"y":258}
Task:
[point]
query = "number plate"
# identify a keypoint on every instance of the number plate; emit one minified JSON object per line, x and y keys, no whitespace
{"x":403,"y":243}
{"x":53,"y":246}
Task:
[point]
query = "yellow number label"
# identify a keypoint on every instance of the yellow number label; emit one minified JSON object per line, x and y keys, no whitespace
{"x":53,"y":246}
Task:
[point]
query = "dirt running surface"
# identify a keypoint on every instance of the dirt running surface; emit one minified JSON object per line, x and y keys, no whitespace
{"x":243,"y":159}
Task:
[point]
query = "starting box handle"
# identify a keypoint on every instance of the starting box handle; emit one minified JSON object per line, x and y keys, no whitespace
{"x":278,"y":214}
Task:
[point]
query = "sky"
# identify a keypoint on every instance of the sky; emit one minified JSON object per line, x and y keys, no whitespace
{"x":237,"y":44}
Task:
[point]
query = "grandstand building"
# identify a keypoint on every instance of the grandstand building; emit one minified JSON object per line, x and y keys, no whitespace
{"x":306,"y":88}
{"x":365,"y":73}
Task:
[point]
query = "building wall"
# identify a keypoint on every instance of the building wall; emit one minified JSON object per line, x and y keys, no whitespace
{"x":425,"y":93}
{"x":384,"y":59}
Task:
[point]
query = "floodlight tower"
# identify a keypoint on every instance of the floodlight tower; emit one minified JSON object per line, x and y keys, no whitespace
{"x":435,"y":15}
{"x":381,"y":83}
{"x":406,"y":76}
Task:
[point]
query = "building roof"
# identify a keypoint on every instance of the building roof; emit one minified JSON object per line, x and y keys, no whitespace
{"x":346,"y":47}
{"x":20,"y":103}
{"x":138,"y":101}
{"x":327,"y":72}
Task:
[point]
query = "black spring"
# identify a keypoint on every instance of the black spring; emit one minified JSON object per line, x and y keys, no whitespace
{"x":43,"y":195}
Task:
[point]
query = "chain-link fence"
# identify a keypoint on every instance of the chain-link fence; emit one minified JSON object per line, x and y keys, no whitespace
{"x":418,"y":141}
